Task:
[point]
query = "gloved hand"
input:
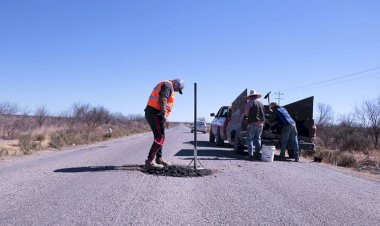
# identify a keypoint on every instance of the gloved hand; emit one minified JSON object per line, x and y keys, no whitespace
{"x":166,"y":122}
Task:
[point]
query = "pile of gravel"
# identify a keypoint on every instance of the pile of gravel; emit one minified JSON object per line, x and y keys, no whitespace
{"x":179,"y":171}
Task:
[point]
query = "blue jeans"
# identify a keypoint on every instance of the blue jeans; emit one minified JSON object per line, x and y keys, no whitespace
{"x":289,"y":134}
{"x":254,"y":138}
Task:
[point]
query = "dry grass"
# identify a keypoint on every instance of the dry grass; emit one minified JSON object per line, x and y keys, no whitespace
{"x":56,"y":138}
{"x":368,"y":162}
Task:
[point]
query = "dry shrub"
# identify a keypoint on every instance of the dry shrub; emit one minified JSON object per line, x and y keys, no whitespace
{"x":27,"y":144}
{"x":63,"y":138}
{"x":345,"y":159}
{"x":56,"y":140}
{"x":329,"y":156}
{"x":372,"y":159}
{"x":335,"y":157}
{"x":3,"y":151}
{"x":40,"y":137}
{"x":121,"y":131}
{"x":354,"y":142}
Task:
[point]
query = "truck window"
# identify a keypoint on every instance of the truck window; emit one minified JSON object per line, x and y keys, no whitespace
{"x":225,"y":112}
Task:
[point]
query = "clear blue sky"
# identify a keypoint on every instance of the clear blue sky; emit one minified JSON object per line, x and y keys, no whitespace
{"x":112,"y":53}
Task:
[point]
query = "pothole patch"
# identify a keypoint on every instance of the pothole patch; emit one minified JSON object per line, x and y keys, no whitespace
{"x":178,"y":171}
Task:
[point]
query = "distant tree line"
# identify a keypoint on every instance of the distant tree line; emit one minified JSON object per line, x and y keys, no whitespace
{"x":356,"y":131}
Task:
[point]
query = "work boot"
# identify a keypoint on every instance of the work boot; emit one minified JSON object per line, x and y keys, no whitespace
{"x":163,"y":162}
{"x":258,"y":156}
{"x":297,"y":159}
{"x":249,"y":157}
{"x":150,"y":164}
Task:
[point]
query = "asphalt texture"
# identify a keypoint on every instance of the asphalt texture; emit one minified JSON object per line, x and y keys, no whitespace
{"x":104,"y":184}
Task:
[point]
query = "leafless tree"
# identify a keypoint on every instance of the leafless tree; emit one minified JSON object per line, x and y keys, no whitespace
{"x":368,"y":114}
{"x":15,"y":125}
{"x":41,"y":113}
{"x":119,"y":118}
{"x":346,"y":120}
{"x":325,"y":126}
{"x":92,"y":117}
{"x":7,"y":110}
{"x":325,"y":114}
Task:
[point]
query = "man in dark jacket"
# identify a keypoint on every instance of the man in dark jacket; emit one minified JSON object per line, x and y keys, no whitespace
{"x":283,"y":120}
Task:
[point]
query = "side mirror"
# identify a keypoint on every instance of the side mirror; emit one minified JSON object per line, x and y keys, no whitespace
{"x":212,"y":114}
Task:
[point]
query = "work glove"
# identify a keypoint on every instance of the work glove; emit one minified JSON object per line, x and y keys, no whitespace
{"x":166,"y":122}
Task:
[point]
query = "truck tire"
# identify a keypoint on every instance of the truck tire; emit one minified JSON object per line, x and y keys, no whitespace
{"x":219,"y":140}
{"x":238,"y":147}
{"x":212,"y":137}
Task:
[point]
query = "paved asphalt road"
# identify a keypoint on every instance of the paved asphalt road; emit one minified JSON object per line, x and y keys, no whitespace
{"x":99,"y":185}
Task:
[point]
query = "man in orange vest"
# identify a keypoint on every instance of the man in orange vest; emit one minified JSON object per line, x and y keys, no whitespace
{"x":159,"y":106}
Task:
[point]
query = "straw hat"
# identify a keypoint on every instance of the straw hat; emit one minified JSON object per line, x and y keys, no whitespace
{"x":253,"y":93}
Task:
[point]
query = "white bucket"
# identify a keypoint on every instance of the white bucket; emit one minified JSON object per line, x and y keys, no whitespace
{"x":267,"y":153}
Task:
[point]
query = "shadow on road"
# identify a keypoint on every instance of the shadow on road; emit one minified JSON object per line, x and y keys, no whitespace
{"x":99,"y":169}
{"x":209,"y":151}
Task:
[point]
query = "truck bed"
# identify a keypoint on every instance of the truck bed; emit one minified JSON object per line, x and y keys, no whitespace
{"x":301,"y":111}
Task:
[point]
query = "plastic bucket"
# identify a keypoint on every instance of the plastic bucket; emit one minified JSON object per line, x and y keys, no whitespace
{"x":267,"y":154}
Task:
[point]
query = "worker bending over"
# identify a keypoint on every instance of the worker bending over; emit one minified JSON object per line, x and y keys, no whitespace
{"x":160,"y":104}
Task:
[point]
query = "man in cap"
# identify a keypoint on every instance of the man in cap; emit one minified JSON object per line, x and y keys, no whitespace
{"x":159,"y":106}
{"x":255,"y":116}
{"x":283,"y":120}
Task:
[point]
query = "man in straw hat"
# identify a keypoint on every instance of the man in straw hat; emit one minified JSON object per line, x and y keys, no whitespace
{"x":254,"y":113}
{"x":283,"y":120}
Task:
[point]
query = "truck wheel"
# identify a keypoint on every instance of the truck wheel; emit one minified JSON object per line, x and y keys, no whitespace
{"x":212,"y":137}
{"x":219,"y":140}
{"x":238,"y":148}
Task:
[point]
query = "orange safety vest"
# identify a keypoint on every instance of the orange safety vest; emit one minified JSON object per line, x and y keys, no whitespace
{"x":153,"y":99}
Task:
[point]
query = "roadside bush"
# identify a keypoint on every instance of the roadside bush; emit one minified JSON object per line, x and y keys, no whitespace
{"x":40,"y":137}
{"x":56,"y":141}
{"x":335,"y":157}
{"x":369,"y":161}
{"x":62,"y":138}
{"x":3,"y":151}
{"x":27,"y":144}
{"x":346,"y":160}
{"x":350,"y":139}
{"x":329,"y":156}
{"x":121,"y":131}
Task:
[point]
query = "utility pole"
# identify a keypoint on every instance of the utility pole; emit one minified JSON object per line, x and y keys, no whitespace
{"x":279,"y":97}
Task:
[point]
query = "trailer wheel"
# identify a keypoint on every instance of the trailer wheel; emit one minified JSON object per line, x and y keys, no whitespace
{"x":212,"y":137}
{"x":219,"y":140}
{"x":238,"y":148}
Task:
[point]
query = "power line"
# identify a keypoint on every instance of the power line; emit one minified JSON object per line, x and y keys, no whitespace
{"x":340,"y":82}
{"x":334,"y":79}
{"x":279,"y":97}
